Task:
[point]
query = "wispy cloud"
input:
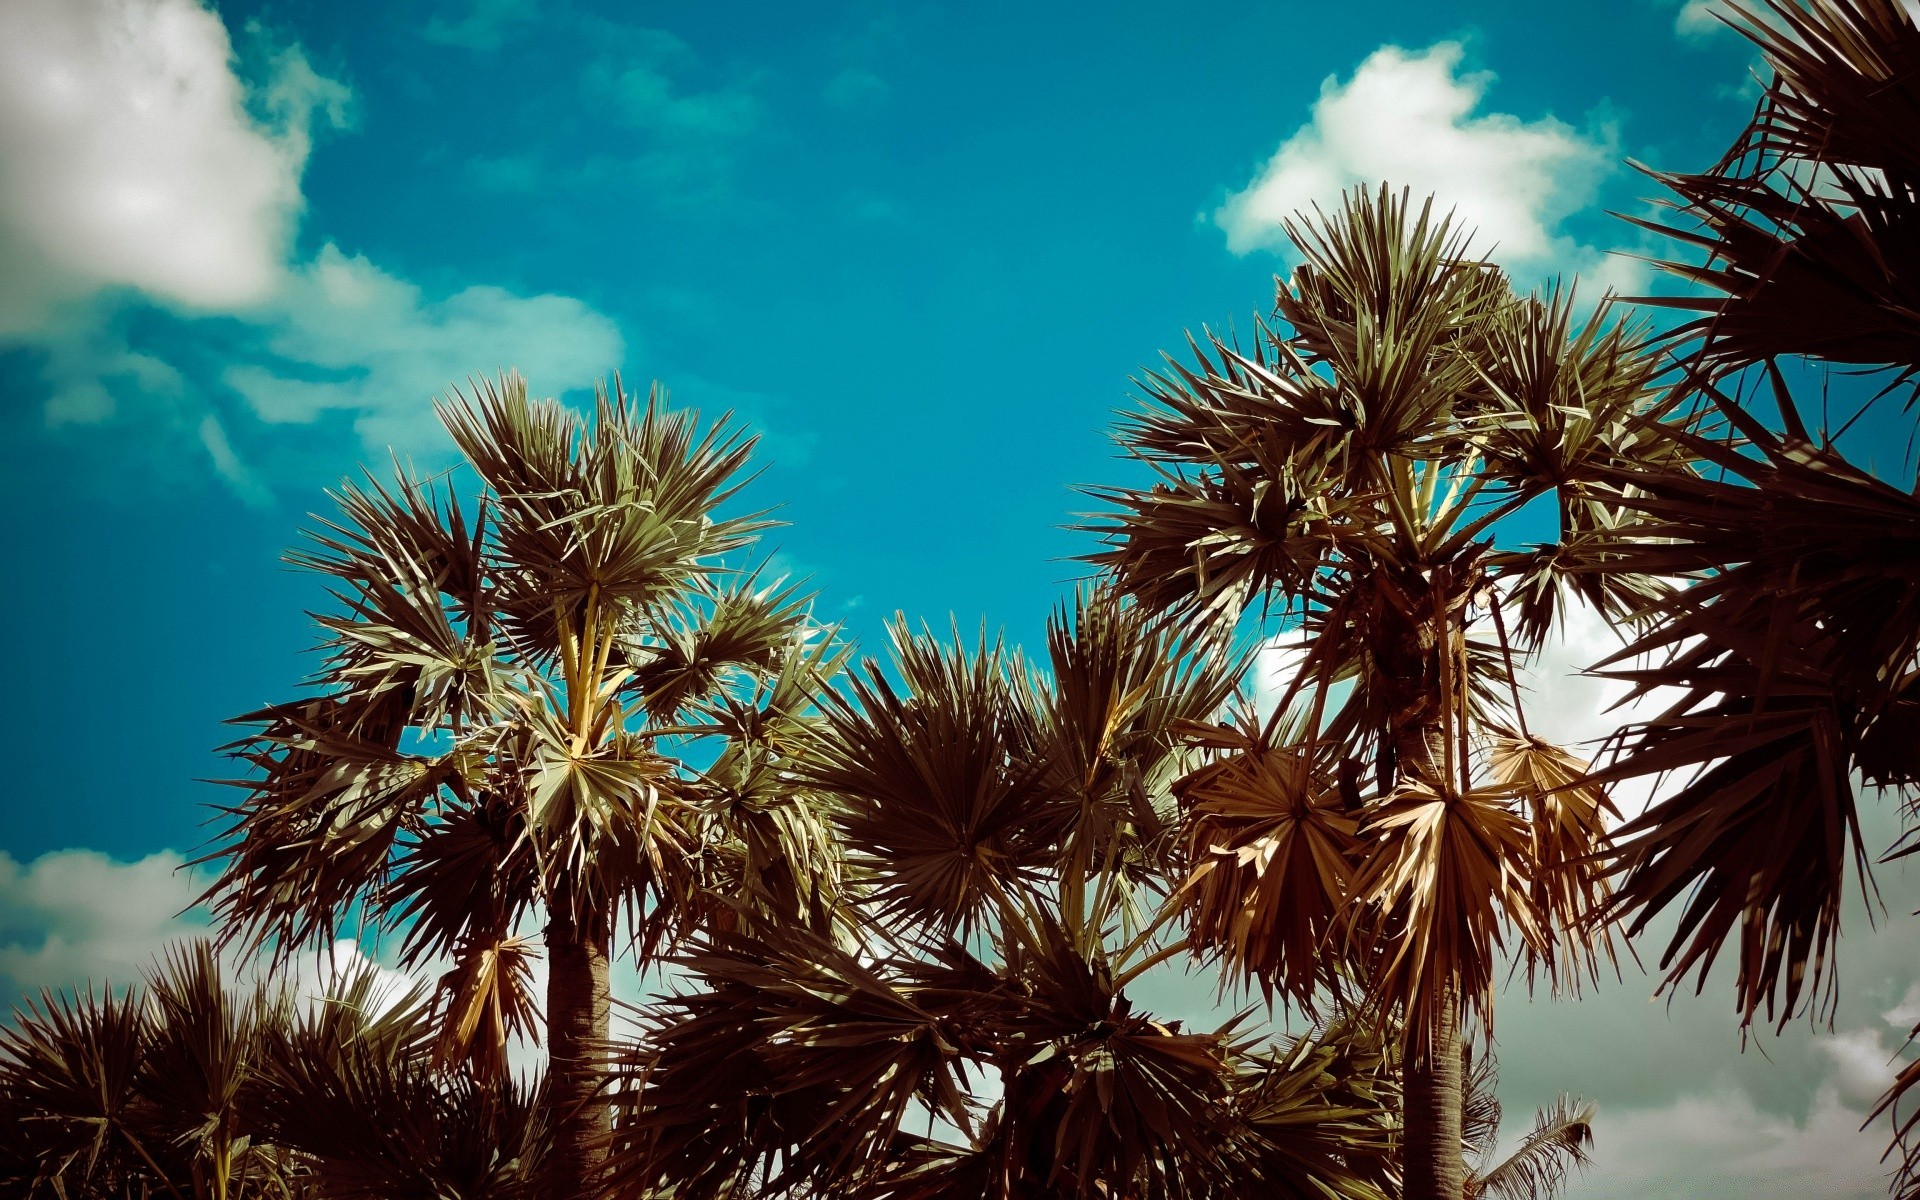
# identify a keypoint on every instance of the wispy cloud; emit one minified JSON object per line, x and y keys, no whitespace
{"x":485,"y":26}
{"x":345,"y":336}
{"x":665,"y":117}
{"x":1413,"y":119}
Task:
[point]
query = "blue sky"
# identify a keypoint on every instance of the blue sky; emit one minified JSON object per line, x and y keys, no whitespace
{"x":921,"y":248}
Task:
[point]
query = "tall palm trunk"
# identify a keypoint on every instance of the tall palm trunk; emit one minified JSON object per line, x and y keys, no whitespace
{"x":1433,"y":1155}
{"x":1433,"y":1161}
{"x":577,"y":1032}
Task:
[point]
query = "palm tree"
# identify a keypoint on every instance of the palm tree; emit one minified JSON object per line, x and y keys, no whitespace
{"x":191,"y":1085}
{"x":1011,"y":835}
{"x":569,"y":706}
{"x":1353,"y":470}
{"x":1795,"y":648}
{"x":141,"y":1092}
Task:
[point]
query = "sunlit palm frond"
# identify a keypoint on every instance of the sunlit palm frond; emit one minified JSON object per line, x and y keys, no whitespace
{"x":327,"y":805}
{"x":1567,"y":818}
{"x":511,"y":723}
{"x":487,"y":1002}
{"x":681,"y":657}
{"x":1447,"y":871}
{"x":1390,"y":301}
{"x":1273,"y":857}
{"x":616,"y":513}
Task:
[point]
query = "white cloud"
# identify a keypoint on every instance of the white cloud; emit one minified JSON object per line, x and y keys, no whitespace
{"x":1700,"y":18}
{"x":128,"y":158}
{"x":1410,"y":119}
{"x":1708,"y":1147}
{"x":77,"y":915}
{"x":1862,"y":1067}
{"x":354,"y":338}
{"x":137,"y":167}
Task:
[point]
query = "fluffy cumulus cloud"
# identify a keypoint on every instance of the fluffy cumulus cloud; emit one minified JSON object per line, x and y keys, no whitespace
{"x":141,"y":174}
{"x":71,"y":919}
{"x":1722,"y":1147}
{"x":75,"y":915}
{"x":129,"y":157}
{"x":1412,"y":119}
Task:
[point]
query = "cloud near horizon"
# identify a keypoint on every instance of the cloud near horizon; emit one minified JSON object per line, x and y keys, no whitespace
{"x":1411,"y":119}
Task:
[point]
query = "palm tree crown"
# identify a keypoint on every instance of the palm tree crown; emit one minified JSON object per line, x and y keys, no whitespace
{"x":569,"y":702}
{"x":1352,"y":470}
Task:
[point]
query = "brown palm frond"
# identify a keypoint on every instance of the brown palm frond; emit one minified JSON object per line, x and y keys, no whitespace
{"x":1480,"y":1109}
{"x":1447,"y":872}
{"x":486,"y":1002}
{"x":1273,"y":857}
{"x":470,"y":872}
{"x":1564,"y":405}
{"x":1793,"y":652}
{"x":1323,"y":1112}
{"x":1109,"y":718}
{"x":1905,"y":1147}
{"x":72,"y":1118}
{"x":1567,"y":817}
{"x":793,"y":1058}
{"x":941,"y":798}
{"x":352,"y":1087}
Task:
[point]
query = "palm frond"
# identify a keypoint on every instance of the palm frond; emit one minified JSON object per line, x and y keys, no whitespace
{"x":942,"y":801}
{"x":1809,"y":224}
{"x":1559,"y":1143}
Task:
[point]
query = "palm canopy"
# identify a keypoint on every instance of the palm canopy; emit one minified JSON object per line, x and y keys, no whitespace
{"x":503,"y":692}
{"x":1010,"y":834}
{"x":1351,"y":471}
{"x":191,"y":1084}
{"x":572,"y":702}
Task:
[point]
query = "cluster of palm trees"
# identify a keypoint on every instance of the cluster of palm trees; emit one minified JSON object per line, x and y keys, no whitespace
{"x":901,"y":904}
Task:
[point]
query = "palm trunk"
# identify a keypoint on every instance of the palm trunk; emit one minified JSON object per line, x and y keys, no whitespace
{"x":1433,"y":1163}
{"x":577,"y":1031}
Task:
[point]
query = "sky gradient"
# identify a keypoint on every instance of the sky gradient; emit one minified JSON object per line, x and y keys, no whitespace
{"x":920,"y":249}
